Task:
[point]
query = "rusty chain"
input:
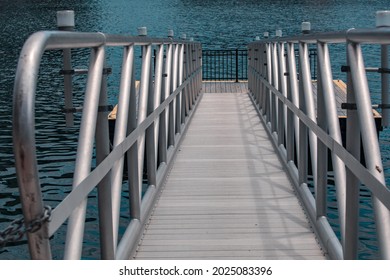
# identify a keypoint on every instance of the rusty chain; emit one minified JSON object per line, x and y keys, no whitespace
{"x":16,"y":230}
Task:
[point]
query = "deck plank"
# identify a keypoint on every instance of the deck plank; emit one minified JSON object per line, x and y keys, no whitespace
{"x":227,"y":195}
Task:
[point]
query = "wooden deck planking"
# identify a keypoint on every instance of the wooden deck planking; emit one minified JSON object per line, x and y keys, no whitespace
{"x":227,"y":195}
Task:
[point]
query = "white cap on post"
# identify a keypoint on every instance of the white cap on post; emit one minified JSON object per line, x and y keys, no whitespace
{"x":278,"y":33}
{"x":257,"y":38}
{"x":306,"y":27}
{"x":170,"y":33}
{"x":383,"y":19}
{"x":65,"y":19}
{"x":183,"y":36}
{"x":142,"y":31}
{"x":266,"y":34}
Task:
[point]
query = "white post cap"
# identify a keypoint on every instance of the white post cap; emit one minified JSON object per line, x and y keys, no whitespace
{"x":383,"y":19}
{"x":142,"y":31}
{"x":183,"y":36}
{"x":257,"y":38}
{"x":65,"y":18}
{"x":305,"y":27}
{"x":170,"y":33}
{"x":278,"y":33}
{"x":266,"y":34}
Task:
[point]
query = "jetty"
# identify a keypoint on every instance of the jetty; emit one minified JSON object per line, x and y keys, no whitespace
{"x":227,"y":168}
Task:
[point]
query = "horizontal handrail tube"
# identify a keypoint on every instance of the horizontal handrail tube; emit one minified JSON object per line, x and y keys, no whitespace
{"x":367,"y":36}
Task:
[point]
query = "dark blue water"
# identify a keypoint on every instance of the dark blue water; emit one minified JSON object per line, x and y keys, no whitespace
{"x":216,"y":23}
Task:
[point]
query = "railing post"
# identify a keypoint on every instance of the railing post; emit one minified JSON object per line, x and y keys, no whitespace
{"x":268,"y":77}
{"x":308,"y":101}
{"x":123,"y":124}
{"x":104,"y":187}
{"x":322,"y":151}
{"x":325,"y":72}
{"x":282,"y":121}
{"x":65,"y":22}
{"x":145,"y":88}
{"x":370,"y":143}
{"x":75,"y":232}
{"x":293,"y":96}
{"x":352,"y":183}
{"x":275,"y":83}
{"x":236,"y":65}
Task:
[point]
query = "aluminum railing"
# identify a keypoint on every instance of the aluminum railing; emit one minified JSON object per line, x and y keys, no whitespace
{"x":153,"y":122}
{"x":282,"y":92}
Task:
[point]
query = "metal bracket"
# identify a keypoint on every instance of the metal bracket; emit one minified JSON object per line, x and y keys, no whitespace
{"x":345,"y":68}
{"x":352,"y":106}
{"x":384,"y":70}
{"x":106,"y":71}
{"x":105,"y":108}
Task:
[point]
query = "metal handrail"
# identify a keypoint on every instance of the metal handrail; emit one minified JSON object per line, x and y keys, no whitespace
{"x":285,"y":103}
{"x":155,"y":123}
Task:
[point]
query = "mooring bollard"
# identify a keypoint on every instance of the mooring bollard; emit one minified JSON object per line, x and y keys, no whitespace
{"x":142,"y":31}
{"x":170,"y":33}
{"x":305,"y":27}
{"x":65,"y":22}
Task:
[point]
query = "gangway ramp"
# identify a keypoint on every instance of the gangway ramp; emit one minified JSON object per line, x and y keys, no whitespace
{"x":227,"y":195}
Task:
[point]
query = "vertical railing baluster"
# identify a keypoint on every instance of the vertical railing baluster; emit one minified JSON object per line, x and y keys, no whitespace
{"x":325,"y":72}
{"x":370,"y":143}
{"x":308,"y":100}
{"x":179,"y":97}
{"x":172,"y":105}
{"x":145,"y":87}
{"x":352,"y":183}
{"x":107,"y":249}
{"x":294,"y":90}
{"x":282,"y":88}
{"x":303,"y":131}
{"x":268,"y":77}
{"x":236,"y":76}
{"x":158,"y":92}
{"x":121,"y":128}
{"x":291,"y":131}
{"x":320,"y":190}
{"x":75,"y":232}
{"x":275,"y":83}
{"x":183,"y":62}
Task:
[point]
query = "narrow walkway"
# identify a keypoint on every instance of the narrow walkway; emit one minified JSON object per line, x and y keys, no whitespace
{"x":227,"y":196}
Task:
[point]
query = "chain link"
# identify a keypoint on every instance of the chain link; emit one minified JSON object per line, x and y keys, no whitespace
{"x":16,"y":230}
